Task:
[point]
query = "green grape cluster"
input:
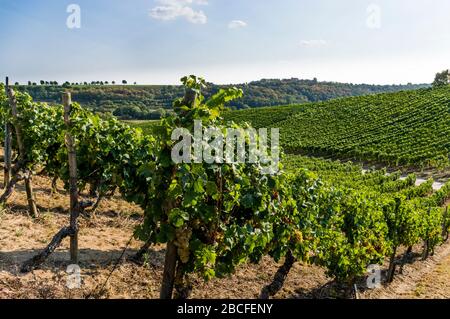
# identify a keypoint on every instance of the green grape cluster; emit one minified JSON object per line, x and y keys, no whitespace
{"x":182,"y":239}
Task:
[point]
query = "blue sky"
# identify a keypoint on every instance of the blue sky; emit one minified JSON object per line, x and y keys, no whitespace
{"x":226,"y":41}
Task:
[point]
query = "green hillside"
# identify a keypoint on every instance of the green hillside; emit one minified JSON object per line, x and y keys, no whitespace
{"x":146,"y":102}
{"x":410,"y":128}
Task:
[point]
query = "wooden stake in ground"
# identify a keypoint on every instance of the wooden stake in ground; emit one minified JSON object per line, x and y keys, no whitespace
{"x":72,"y":229}
{"x":171,"y":258}
{"x":445,"y":226}
{"x":392,"y":266}
{"x":7,"y":147}
{"x":74,"y":204}
{"x":22,"y":153}
{"x":170,"y":265}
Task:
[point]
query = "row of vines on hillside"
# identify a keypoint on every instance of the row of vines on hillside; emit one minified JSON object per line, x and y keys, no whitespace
{"x":408,"y":128}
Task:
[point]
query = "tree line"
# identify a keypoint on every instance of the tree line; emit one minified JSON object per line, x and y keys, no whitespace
{"x":151,"y":101}
{"x":68,"y":84}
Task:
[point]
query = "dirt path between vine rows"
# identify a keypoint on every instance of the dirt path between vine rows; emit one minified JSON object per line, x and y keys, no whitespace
{"x":429,"y":279}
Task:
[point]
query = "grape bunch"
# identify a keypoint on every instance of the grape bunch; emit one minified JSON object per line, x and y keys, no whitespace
{"x":183,"y":236}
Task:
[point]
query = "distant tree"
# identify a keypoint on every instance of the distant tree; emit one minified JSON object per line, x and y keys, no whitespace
{"x":106,"y":82}
{"x":34,"y":83}
{"x":42,"y":82}
{"x":101,"y":83}
{"x":135,"y":83}
{"x":442,"y":79}
{"x":66,"y":84}
{"x":128,"y":112}
{"x":29,"y":83}
{"x":85,"y":83}
{"x":124,"y":82}
{"x":17,"y":83}
{"x":113,"y":82}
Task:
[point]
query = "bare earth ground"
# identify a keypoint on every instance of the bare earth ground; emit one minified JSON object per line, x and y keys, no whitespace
{"x":103,"y":238}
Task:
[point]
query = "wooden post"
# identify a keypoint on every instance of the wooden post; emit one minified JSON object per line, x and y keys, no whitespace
{"x":392,"y":266}
{"x":356,"y":292}
{"x":405,"y":258}
{"x":426,"y":250}
{"x":171,"y":259}
{"x":74,"y":204}
{"x":28,"y":175}
{"x":170,"y":266}
{"x":30,"y":195}
{"x":445,"y":226}
{"x":7,"y":147}
{"x":72,"y":230}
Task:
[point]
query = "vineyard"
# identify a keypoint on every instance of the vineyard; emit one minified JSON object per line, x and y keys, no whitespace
{"x":211,"y":220}
{"x":409,"y":128}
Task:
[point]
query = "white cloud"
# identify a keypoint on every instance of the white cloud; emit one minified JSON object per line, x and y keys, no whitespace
{"x":174,"y":9}
{"x":237,"y":24}
{"x":313,"y":43}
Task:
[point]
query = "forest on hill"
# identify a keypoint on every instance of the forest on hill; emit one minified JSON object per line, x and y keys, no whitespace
{"x":146,"y":102}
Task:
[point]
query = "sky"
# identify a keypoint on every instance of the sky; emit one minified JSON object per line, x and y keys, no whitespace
{"x":224,"y":41}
